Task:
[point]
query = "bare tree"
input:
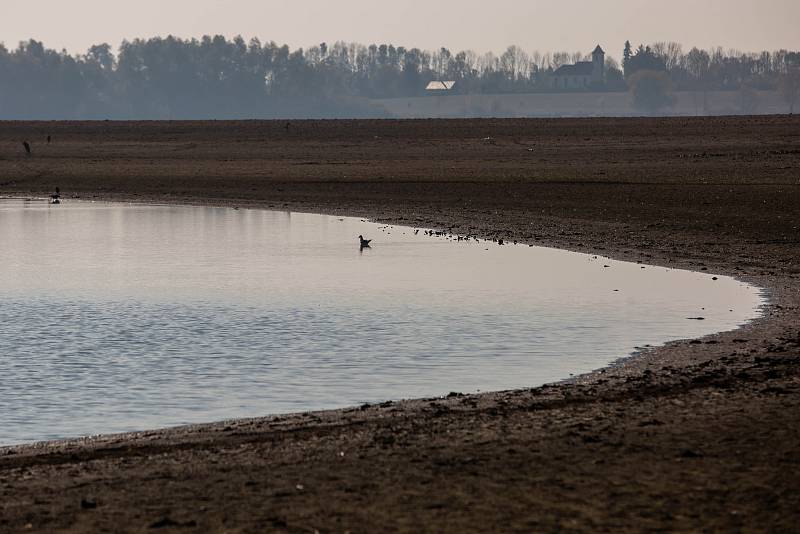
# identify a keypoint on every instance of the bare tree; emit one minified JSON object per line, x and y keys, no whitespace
{"x":659,"y":49}
{"x":547,"y":61}
{"x":559,"y":59}
{"x":674,"y":55}
{"x":515,"y":62}
{"x":697,"y":63}
{"x":487,"y":63}
{"x":536,"y":60}
{"x":471,"y":59}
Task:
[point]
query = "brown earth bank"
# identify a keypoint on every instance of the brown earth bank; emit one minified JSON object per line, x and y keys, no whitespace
{"x":697,"y":435}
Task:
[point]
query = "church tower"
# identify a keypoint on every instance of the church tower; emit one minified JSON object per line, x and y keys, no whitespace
{"x":598,"y":65}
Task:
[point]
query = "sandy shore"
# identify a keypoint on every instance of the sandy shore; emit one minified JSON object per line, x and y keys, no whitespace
{"x":700,"y":434}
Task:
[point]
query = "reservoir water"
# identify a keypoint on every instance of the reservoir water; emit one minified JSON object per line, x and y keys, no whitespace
{"x":118,"y":317}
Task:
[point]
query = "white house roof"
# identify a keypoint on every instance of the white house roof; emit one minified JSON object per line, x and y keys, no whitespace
{"x":440,"y":86}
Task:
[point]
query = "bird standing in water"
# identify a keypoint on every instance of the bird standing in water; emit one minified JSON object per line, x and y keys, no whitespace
{"x":364,"y":243}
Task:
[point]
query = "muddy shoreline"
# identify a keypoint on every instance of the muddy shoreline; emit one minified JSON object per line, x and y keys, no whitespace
{"x":699,"y":434}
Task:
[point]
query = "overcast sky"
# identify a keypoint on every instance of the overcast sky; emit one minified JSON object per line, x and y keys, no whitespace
{"x":481,"y":25}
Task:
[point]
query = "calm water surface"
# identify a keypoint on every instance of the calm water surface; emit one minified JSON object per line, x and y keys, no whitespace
{"x":125,"y":317}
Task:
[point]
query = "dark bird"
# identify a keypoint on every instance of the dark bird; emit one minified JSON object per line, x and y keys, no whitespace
{"x":288,"y":125}
{"x":49,"y":139}
{"x":27,"y":147}
{"x":55,"y":198}
{"x":364,"y":242}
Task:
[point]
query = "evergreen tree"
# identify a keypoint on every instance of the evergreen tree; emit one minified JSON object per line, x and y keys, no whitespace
{"x":626,"y":57}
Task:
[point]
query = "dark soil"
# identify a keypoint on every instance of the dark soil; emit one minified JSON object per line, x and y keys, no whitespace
{"x":697,"y":435}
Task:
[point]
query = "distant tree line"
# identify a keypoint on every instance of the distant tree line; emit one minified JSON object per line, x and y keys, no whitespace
{"x":714,"y":69}
{"x":654,"y":72}
{"x":215,"y":77}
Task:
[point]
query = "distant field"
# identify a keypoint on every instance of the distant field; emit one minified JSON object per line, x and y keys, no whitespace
{"x":580,"y":104}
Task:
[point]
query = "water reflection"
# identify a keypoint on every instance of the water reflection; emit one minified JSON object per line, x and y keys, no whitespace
{"x":116,"y":317}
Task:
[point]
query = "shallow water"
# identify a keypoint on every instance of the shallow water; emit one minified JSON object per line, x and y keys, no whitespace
{"x":121,"y":317}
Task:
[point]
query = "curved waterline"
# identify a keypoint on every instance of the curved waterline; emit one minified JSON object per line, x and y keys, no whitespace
{"x":119,"y":317}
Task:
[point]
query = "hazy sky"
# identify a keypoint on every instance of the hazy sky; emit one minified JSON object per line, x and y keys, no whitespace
{"x":545,"y":25}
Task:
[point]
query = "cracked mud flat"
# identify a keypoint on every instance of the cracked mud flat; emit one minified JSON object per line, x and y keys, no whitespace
{"x":700,"y":434}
